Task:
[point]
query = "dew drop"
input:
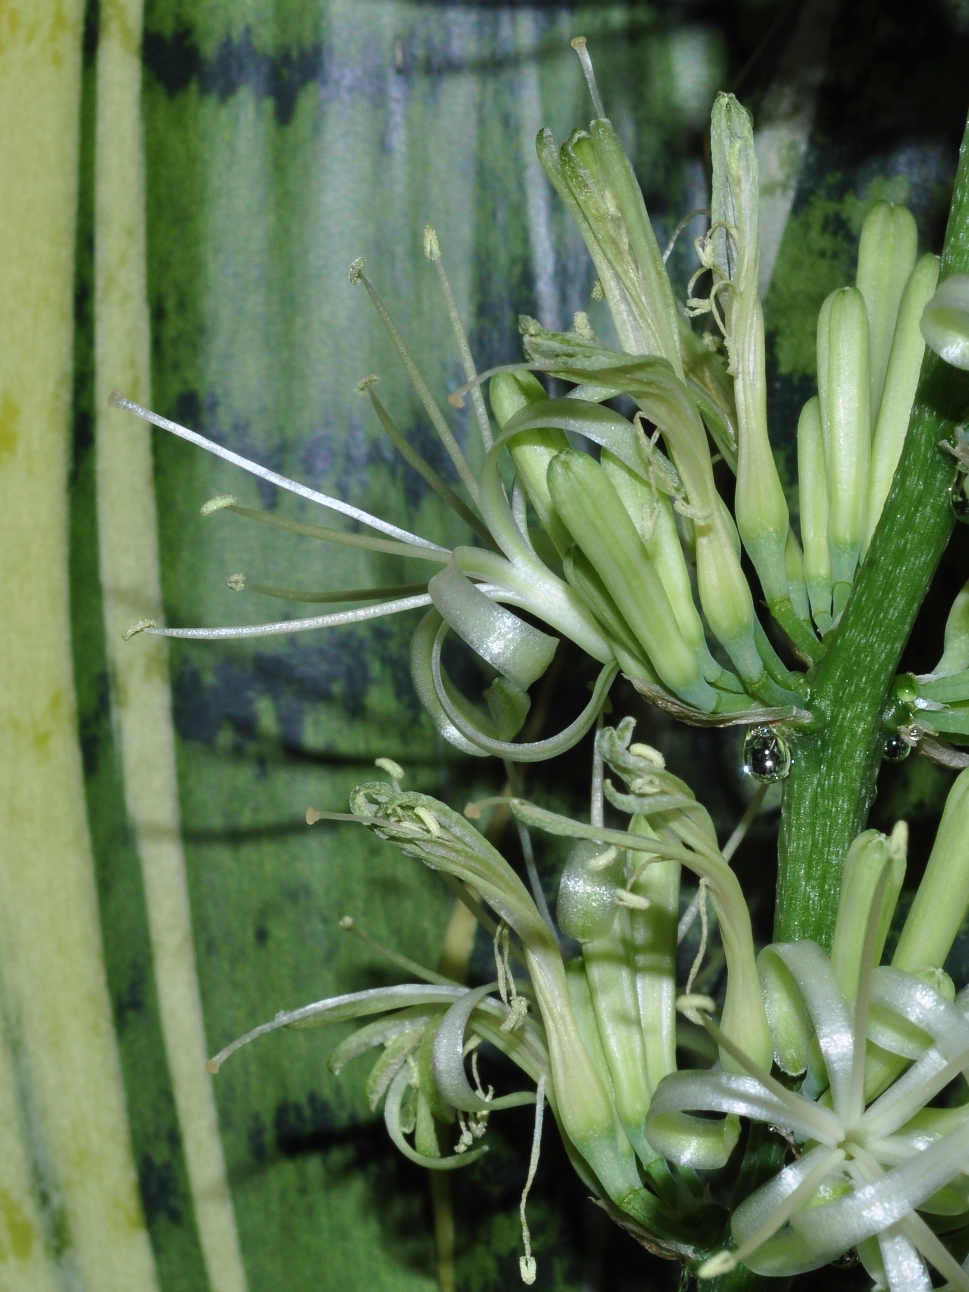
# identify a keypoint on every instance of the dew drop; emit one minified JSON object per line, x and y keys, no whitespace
{"x":896,"y":750}
{"x":958,"y":500}
{"x":767,"y":755}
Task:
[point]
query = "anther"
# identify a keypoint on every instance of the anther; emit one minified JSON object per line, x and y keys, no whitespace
{"x":604,"y":859}
{"x":429,"y":819}
{"x":635,"y":903}
{"x":722,"y":1263}
{"x":236,"y":582}
{"x":651,"y":755}
{"x":393,"y":770}
{"x":219,"y":503}
{"x":143,"y":625}
{"x":312,"y":816}
{"x":432,"y":248}
{"x":356,"y":269}
{"x":365,"y":383}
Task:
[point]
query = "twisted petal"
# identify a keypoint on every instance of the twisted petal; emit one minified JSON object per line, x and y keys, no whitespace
{"x":838,"y":1225}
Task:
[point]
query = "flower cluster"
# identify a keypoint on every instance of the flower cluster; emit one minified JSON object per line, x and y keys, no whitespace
{"x":630,"y":552}
{"x":874,"y":1164}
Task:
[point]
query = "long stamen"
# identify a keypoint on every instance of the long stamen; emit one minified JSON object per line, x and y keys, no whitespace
{"x":746,"y":821}
{"x":286,"y":625}
{"x":432,"y":249}
{"x":237,"y":582}
{"x":118,"y":400}
{"x":456,"y":397}
{"x":701,"y":210}
{"x":802,"y":1108}
{"x":444,"y":431}
{"x":579,"y":45}
{"x":348,"y":925}
{"x":366,"y":542}
{"x":423,"y":467}
{"x":527,"y":1263}
{"x":701,"y":893}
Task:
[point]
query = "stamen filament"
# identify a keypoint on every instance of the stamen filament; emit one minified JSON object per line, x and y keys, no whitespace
{"x":287,"y":625}
{"x":445,"y":434}
{"x":527,"y":1263}
{"x":118,"y":400}
{"x":579,"y":45}
{"x":456,"y":397}
{"x":701,"y":210}
{"x":432,"y":250}
{"x":427,"y":472}
{"x":351,"y":594}
{"x":744,"y":824}
{"x":431,"y":552}
{"x":348,"y":925}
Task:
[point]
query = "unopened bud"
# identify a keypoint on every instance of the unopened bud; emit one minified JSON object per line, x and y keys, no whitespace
{"x":901,"y":382}
{"x":886,"y":258}
{"x":844,"y":387}
{"x":586,"y":905}
{"x":943,"y":896}
{"x":592,"y":512}
{"x":867,"y":858}
{"x":955,"y":657}
{"x":812,"y":483}
{"x":532,"y":451}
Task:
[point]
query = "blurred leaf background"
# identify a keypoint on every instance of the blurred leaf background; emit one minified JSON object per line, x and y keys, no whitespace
{"x":283,"y":139}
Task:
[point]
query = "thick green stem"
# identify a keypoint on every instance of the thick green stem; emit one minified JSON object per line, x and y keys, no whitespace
{"x":832,"y":781}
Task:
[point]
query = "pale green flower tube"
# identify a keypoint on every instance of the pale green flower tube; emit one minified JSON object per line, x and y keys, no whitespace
{"x":597,"y":520}
{"x":867,"y":858}
{"x":955,"y":655}
{"x":761,"y":508}
{"x":943,"y":895}
{"x":886,"y":258}
{"x":812,"y":484}
{"x":532,"y":450}
{"x":653,"y":936}
{"x":901,"y":381}
{"x":844,"y":388}
{"x":592,"y":175}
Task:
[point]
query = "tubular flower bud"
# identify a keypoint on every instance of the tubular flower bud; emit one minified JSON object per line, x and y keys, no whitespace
{"x":590,"y":508}
{"x":901,"y":382}
{"x":955,"y":656}
{"x":886,"y":258}
{"x":867,"y":859}
{"x":760,"y":505}
{"x":813,"y":490}
{"x":945,"y":322}
{"x":532,"y":450}
{"x":844,"y":388}
{"x":651,"y":512}
{"x":594,"y":178}
{"x":943,"y":897}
